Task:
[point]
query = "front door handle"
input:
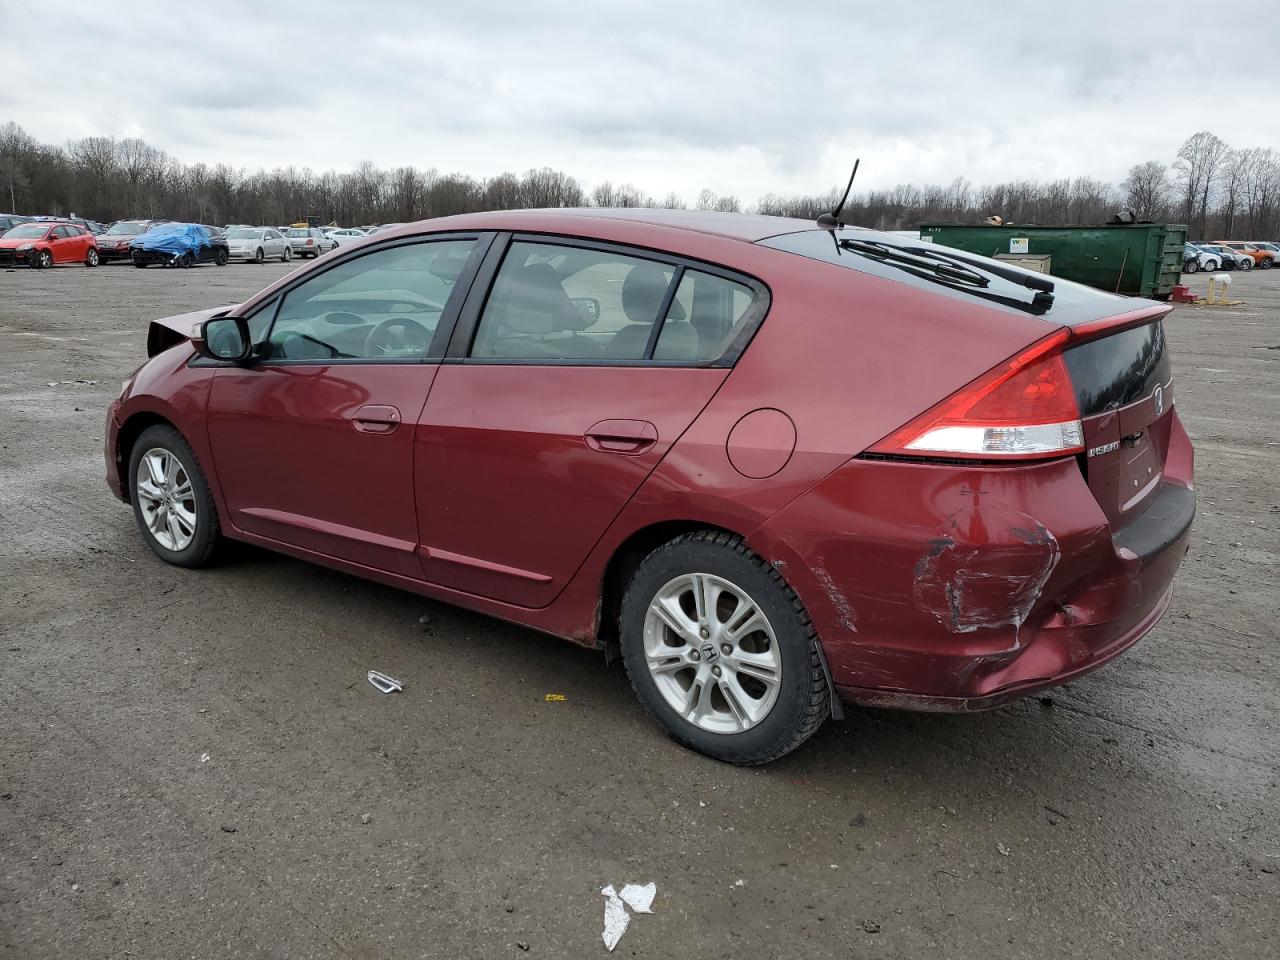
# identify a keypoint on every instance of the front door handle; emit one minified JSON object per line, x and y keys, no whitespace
{"x":622,"y":436}
{"x":376,"y":418}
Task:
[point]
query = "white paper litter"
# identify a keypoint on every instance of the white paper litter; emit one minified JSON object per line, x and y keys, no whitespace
{"x":616,"y":918}
{"x":639,"y":897}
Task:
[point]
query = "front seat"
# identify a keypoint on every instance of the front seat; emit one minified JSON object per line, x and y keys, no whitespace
{"x":528,"y":310}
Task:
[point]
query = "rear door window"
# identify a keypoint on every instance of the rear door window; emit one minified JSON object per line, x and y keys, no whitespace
{"x":553,"y":302}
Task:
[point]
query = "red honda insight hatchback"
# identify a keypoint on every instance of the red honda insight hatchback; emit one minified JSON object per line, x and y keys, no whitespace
{"x":772,"y":464}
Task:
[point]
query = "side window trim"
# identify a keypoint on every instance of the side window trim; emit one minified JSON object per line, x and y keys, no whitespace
{"x":468,"y":322}
{"x":661,"y":320}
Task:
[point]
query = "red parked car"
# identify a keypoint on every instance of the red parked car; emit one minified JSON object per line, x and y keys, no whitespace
{"x":772,"y":465}
{"x":48,"y":243}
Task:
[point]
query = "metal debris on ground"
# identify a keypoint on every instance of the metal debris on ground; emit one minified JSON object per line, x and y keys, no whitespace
{"x":385,"y":684}
{"x":639,"y":897}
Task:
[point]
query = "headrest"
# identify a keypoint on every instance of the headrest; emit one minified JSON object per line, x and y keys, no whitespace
{"x":642,"y":293}
{"x":534,"y":302}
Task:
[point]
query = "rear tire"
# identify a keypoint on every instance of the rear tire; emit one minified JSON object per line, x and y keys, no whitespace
{"x":287,"y":255}
{"x":91,"y":258}
{"x":173,"y":508}
{"x":753,"y":695}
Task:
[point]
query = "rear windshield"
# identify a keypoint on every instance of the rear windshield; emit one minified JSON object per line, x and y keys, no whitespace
{"x":130,"y":228}
{"x":1120,"y":369}
{"x":243,"y":234}
{"x":1072,"y":302}
{"x":299,"y":232}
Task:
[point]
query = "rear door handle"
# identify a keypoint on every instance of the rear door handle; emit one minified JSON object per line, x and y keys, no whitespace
{"x":376,"y":418}
{"x":622,"y":436}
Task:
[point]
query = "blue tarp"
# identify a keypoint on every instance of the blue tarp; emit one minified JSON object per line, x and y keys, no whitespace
{"x":172,"y":238}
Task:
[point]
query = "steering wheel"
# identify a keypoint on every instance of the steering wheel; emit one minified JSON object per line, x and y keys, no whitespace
{"x":397,"y":337}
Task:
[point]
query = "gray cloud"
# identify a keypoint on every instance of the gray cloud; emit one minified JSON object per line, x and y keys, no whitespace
{"x":746,"y":97}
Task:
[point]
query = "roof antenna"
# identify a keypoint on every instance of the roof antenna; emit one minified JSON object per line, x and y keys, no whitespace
{"x":832,"y":220}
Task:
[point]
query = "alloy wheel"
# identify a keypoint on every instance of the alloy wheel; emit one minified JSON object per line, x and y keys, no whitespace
{"x":167,"y":499}
{"x":712,"y":653}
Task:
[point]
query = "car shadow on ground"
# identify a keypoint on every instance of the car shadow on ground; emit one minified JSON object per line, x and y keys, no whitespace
{"x":1040,"y":737}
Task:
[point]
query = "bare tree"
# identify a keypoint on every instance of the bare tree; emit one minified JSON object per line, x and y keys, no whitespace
{"x":1146,"y":189}
{"x":1199,"y":160}
{"x":17,"y":147}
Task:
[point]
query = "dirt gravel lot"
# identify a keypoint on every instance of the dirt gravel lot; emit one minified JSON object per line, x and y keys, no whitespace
{"x":187,"y":760}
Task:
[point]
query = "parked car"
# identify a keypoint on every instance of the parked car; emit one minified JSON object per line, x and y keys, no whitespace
{"x":257,"y":244}
{"x":1269,"y":249}
{"x":179,"y":245}
{"x":1261,"y":258}
{"x":48,"y":243}
{"x":1194,"y":258}
{"x":89,"y":226}
{"x":309,"y":241}
{"x":771,"y":465}
{"x":114,"y":243}
{"x":10,"y":220}
{"x":1231,"y":259}
{"x":345,"y":235}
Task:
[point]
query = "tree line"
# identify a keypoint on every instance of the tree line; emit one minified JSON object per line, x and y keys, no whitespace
{"x":1219,"y":191}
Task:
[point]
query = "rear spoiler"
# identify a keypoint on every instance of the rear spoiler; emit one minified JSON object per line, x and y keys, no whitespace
{"x":1106,"y":326}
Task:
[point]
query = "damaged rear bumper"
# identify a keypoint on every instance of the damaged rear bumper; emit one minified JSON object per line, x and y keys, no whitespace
{"x":945,"y":587}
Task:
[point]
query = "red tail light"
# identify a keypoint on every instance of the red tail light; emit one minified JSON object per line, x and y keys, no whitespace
{"x":310,"y":242}
{"x":1025,"y":408}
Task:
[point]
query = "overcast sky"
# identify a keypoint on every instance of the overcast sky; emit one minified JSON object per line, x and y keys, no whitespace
{"x":742,"y":97}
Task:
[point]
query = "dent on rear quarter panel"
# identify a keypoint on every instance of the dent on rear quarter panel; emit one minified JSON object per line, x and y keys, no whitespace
{"x":927,"y":570}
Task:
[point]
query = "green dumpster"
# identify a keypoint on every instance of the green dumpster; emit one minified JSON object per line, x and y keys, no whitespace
{"x":1142,"y":259}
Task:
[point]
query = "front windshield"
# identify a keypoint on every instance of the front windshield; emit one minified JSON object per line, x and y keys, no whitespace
{"x":243,"y":234}
{"x":26,"y":232}
{"x":128,"y":228}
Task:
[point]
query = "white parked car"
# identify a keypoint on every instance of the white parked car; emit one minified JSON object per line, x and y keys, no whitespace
{"x":256,"y":244}
{"x":344,"y":235}
{"x":1194,"y":259}
{"x":310,"y":241}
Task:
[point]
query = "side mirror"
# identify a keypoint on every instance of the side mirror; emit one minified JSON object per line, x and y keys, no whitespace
{"x":226,"y":339}
{"x":588,"y":308}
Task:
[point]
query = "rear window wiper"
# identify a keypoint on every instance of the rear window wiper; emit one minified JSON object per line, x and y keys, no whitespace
{"x":916,"y":257}
{"x":955,"y":270}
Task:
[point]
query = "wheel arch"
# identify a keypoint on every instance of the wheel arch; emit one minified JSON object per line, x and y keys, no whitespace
{"x":130,"y":430}
{"x":624,"y":560}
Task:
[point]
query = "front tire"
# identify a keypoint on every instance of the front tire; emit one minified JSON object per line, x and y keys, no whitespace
{"x":721,"y":652}
{"x":1246,"y":265}
{"x":259,"y":257}
{"x":220,"y":258}
{"x":41,"y":259}
{"x":1190,"y":267}
{"x":172,"y":504}
{"x":1266,"y":263}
